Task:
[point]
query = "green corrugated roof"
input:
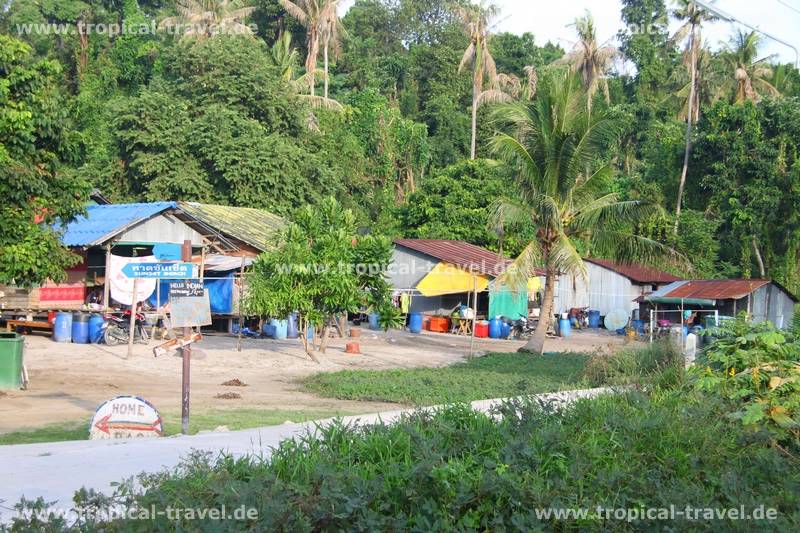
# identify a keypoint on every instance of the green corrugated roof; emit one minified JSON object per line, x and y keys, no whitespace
{"x":247,"y":224}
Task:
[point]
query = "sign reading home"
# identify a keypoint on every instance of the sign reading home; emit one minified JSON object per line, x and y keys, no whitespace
{"x":187,"y":287}
{"x":125,"y":417}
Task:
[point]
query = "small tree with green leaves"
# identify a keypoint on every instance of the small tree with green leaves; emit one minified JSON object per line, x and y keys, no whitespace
{"x":321,"y":269}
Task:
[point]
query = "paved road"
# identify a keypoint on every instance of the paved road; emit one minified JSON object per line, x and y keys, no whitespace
{"x":56,"y":470}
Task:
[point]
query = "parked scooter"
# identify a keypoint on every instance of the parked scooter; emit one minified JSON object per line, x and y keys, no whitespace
{"x":521,"y":328}
{"x":117,"y":328}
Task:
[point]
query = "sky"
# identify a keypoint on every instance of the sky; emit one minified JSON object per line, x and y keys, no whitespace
{"x":550,"y":20}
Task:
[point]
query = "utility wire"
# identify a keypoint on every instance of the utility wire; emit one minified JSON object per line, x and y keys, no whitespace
{"x":790,"y":6}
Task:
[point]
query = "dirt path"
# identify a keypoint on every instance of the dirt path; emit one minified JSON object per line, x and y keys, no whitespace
{"x":69,"y":381}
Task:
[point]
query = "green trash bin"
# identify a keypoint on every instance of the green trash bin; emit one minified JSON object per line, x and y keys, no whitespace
{"x":11,"y":345}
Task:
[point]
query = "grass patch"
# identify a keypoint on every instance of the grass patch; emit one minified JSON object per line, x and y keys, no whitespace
{"x":491,"y":376}
{"x":457,"y":470}
{"x":233,"y":419}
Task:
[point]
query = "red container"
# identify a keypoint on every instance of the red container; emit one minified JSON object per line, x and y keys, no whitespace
{"x":482,"y":329}
{"x":440,"y":324}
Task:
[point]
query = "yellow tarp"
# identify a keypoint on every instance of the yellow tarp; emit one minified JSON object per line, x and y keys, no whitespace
{"x":449,"y":279}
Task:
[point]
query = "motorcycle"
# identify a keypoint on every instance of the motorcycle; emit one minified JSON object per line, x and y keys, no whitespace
{"x":579,"y":317}
{"x":521,"y":328}
{"x":117,"y":328}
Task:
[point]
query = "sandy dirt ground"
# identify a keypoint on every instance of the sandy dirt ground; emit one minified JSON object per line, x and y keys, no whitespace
{"x":69,"y":381}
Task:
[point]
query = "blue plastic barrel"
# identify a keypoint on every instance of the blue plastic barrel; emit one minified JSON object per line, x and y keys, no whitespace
{"x":281,"y":328}
{"x":415,"y":322}
{"x":268,"y":330}
{"x":506,"y":331}
{"x":80,"y":328}
{"x":638,"y":325}
{"x":96,"y":328}
{"x":564,"y":327}
{"x":594,"y":318}
{"x":291,"y":327}
{"x":62,"y":327}
{"x":495,"y":328}
{"x":373,"y":321}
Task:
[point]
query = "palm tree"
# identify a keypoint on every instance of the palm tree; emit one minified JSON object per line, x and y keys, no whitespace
{"x":202,"y":19}
{"x":707,"y":88}
{"x":284,"y":56}
{"x":508,"y":87}
{"x":751,"y":75}
{"x":331,"y":33}
{"x":557,"y":150}
{"x":476,"y":19}
{"x":692,"y":17}
{"x":590,"y":60}
{"x":311,"y":14}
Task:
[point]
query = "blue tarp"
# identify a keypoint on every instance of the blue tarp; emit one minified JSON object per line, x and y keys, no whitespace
{"x":220,"y":293}
{"x":104,"y":221}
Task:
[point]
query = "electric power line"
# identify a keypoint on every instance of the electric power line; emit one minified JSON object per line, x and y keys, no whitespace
{"x":790,"y":6}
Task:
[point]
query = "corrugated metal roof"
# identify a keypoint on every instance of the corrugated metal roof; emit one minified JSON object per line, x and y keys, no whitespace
{"x":247,"y":224}
{"x":636,"y":272}
{"x":459,"y":253}
{"x":716,"y":289}
{"x":102,"y":222}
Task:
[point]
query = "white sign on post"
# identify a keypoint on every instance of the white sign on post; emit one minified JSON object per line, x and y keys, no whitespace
{"x":125,"y":417}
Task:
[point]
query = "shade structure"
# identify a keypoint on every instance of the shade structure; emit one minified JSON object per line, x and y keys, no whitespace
{"x":446,"y":278}
{"x":510,"y":302}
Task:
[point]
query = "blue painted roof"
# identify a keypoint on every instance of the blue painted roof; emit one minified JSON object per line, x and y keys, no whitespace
{"x":102,"y":222}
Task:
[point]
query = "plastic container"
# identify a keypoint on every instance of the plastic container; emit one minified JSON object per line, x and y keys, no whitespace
{"x":80,"y":328}
{"x":62,"y":327}
{"x":96,"y":323}
{"x":415,"y":322}
{"x":374,"y":321}
{"x":291,"y":327}
{"x":440,"y":324}
{"x":506,"y":331}
{"x":594,"y":318}
{"x":564,"y":327}
{"x":268,"y":330}
{"x":495,"y":328}
{"x":11,"y":347}
{"x":482,"y":329}
{"x":638,"y":325}
{"x":281,"y":328}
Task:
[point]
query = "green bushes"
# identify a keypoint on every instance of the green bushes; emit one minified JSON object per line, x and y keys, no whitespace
{"x":461,"y":470}
{"x":659,"y":363}
{"x":756,"y":369}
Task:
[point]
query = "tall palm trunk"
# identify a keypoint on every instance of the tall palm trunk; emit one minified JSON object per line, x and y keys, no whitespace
{"x":475,"y":93}
{"x":325,"y":55}
{"x":536,"y":343}
{"x":689,"y":117}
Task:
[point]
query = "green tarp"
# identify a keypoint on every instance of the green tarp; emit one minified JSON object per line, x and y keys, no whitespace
{"x":506,"y":302}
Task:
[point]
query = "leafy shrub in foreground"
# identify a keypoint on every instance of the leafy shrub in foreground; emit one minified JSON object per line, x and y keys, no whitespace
{"x":756,"y":367}
{"x":461,"y":470}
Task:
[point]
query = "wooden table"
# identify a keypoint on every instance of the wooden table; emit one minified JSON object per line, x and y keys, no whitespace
{"x":462,"y":326}
{"x":12,"y":325}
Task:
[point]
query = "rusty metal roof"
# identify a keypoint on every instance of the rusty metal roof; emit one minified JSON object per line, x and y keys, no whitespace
{"x":636,"y":272}
{"x":717,"y":289}
{"x":460,"y":253}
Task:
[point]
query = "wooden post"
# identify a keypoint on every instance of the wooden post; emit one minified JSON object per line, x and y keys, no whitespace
{"x":107,"y":284}
{"x":133,"y":318}
{"x":186,"y":355}
{"x":474,"y":313}
{"x":241,"y":293}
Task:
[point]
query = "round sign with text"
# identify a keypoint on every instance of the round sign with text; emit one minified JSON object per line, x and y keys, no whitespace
{"x":125,"y":417}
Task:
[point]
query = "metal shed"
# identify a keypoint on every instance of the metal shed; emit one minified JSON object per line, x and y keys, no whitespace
{"x":608,"y":286}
